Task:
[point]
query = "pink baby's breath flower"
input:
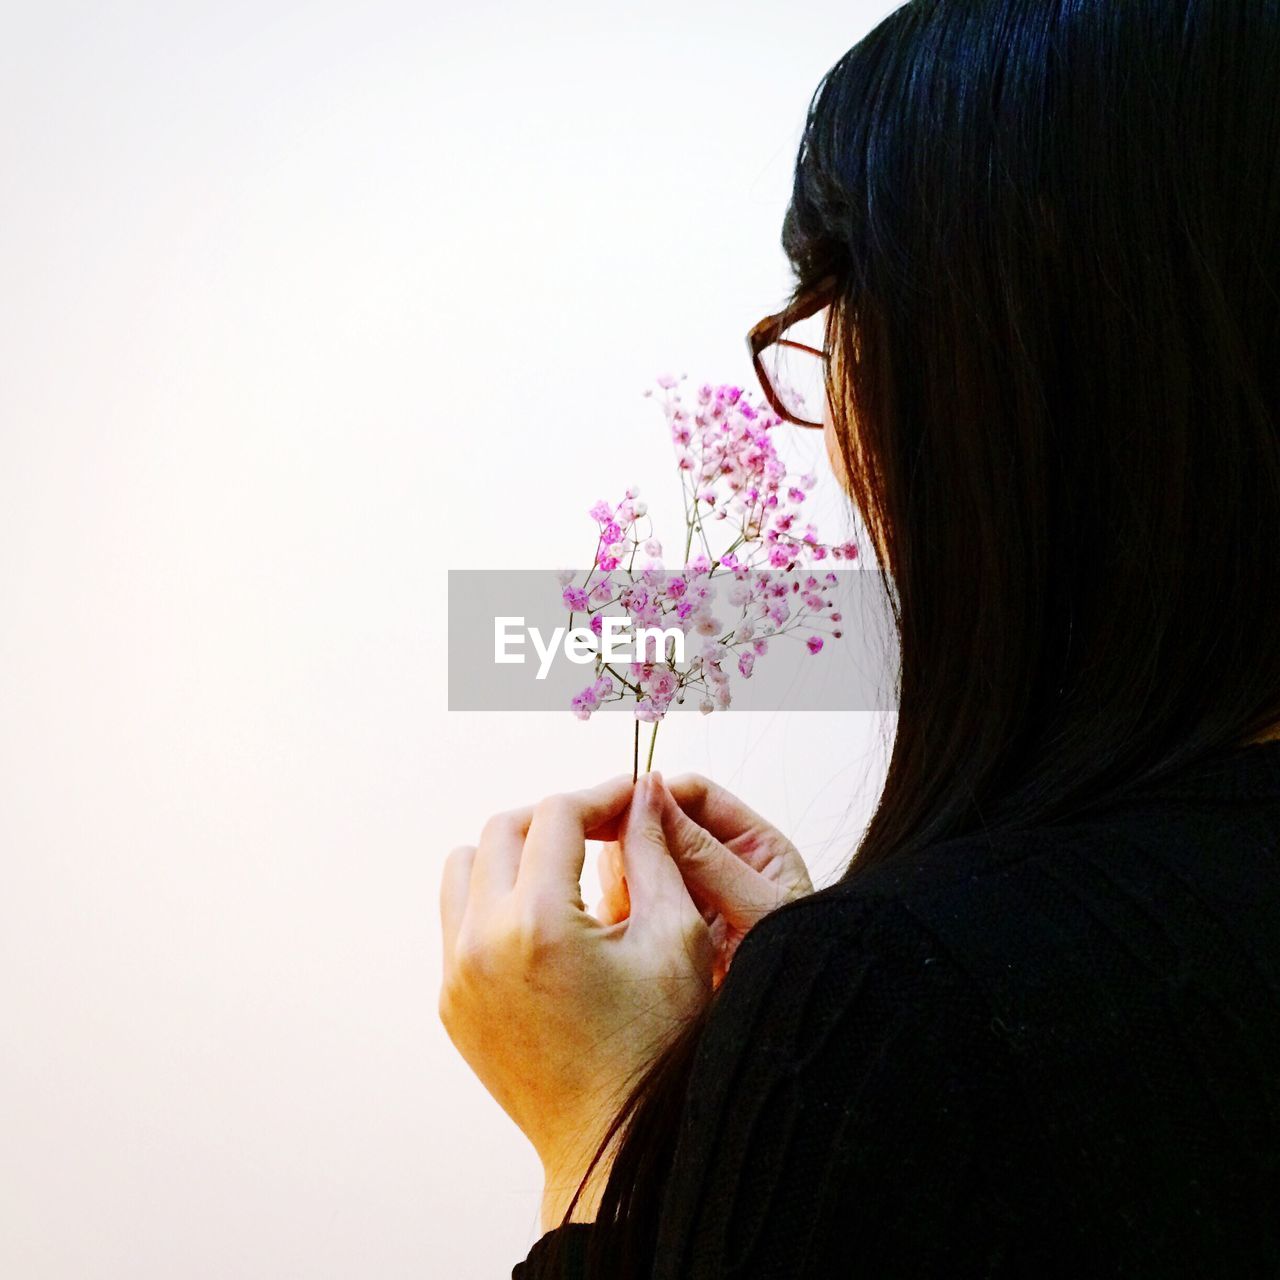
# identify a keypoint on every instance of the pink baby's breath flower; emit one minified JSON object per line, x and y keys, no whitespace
{"x":661,"y":685}
{"x":744,"y":544}
{"x":585,"y":702}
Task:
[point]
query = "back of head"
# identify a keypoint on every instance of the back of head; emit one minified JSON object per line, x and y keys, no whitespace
{"x":1055,"y":228}
{"x":1055,"y":225}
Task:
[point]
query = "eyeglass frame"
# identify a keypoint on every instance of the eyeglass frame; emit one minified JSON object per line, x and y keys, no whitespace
{"x":765,"y":333}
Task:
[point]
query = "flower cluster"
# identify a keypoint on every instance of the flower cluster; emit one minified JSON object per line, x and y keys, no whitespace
{"x":745,"y":579}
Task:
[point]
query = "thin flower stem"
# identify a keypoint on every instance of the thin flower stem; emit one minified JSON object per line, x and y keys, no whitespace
{"x":706,"y":544}
{"x":635,"y":755}
{"x":621,"y":680}
{"x":653,"y":737}
{"x":688,"y":519}
{"x":586,"y":582}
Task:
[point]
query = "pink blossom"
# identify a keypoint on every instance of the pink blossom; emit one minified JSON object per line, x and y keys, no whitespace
{"x":661,"y":685}
{"x":740,"y":497}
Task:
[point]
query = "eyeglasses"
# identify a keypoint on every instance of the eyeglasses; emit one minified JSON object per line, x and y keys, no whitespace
{"x":792,"y":370}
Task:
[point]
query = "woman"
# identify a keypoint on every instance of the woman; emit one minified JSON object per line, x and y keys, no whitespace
{"x":1034,"y":1030}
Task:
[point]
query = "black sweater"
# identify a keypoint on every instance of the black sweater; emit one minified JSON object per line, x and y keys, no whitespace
{"x":1047,"y":1054}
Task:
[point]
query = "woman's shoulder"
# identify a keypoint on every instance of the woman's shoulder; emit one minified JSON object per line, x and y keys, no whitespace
{"x":1206,"y":834}
{"x":996,"y":1027}
{"x":1172,"y":895}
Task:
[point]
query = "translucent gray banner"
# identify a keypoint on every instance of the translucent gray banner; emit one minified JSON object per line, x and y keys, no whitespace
{"x":555,"y":640}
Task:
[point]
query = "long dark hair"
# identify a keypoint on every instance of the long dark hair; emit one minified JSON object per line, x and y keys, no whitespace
{"x":1055,"y":226}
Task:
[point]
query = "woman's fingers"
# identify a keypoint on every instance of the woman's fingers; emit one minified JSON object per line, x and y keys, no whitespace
{"x":654,"y":885}
{"x":615,"y":905}
{"x":455,"y":886}
{"x":497,"y":860}
{"x":716,"y":876}
{"x":712,"y":807}
{"x":555,"y":847}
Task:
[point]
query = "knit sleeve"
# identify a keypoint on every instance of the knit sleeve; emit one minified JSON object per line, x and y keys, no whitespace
{"x":840,"y":1115}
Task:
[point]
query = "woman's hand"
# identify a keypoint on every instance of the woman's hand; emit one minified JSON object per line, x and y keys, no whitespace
{"x":556,"y":1012}
{"x":736,"y":866}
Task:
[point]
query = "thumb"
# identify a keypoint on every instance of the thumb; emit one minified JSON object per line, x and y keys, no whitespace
{"x":714,"y":874}
{"x":653,"y":879}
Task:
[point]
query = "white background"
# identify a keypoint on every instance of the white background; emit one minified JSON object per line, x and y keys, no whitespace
{"x":300,"y":306}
